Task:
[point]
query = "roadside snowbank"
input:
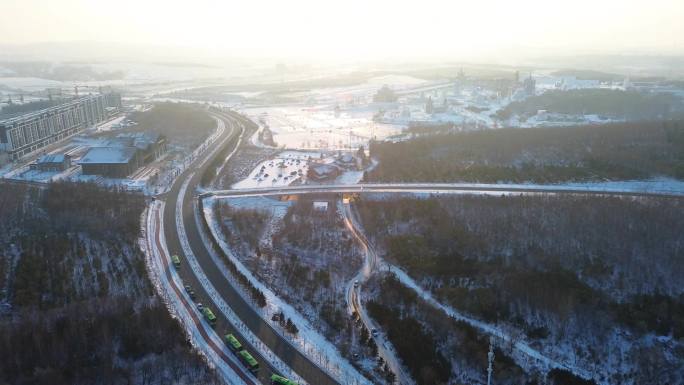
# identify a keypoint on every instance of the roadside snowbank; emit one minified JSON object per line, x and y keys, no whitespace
{"x":155,"y":268}
{"x":223,"y":307}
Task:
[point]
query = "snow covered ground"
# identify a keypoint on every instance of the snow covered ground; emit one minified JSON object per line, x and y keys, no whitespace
{"x":110,"y":125}
{"x":316,"y":125}
{"x":36,"y":175}
{"x":349,"y":177}
{"x":275,"y":207}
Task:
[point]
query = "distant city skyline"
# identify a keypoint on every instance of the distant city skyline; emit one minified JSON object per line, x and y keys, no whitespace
{"x":356,"y":29}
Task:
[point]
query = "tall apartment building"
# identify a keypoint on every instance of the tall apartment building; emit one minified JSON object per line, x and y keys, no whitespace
{"x":32,"y":131}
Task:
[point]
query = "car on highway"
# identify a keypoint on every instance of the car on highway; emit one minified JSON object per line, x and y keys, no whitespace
{"x":233,"y":343}
{"x":191,"y":293}
{"x":200,"y":307}
{"x":209,"y":316}
{"x":248,"y":361}
{"x":280,"y":380}
{"x":176,"y":260}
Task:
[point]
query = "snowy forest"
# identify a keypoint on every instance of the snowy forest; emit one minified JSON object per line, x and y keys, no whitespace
{"x":617,"y":151}
{"x":76,"y":301}
{"x":592,"y":280}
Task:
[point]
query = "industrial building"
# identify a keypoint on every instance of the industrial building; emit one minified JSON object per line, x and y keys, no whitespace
{"x":52,"y":163}
{"x":112,"y":162}
{"x":123,"y":155}
{"x":150,"y":145}
{"x":26,"y":133}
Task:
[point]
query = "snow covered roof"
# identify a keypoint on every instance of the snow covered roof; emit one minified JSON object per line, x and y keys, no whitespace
{"x":346,"y":158}
{"x":51,"y":158}
{"x":142,"y":140}
{"x":118,"y":142}
{"x":111,"y":155}
{"x":323,"y":169}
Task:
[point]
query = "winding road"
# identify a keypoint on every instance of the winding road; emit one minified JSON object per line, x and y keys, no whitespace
{"x":353,"y":293}
{"x":180,"y":224}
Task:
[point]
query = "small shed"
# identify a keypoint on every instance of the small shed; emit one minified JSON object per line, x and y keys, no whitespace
{"x":320,"y":205}
{"x":320,"y":172}
{"x":52,"y":162}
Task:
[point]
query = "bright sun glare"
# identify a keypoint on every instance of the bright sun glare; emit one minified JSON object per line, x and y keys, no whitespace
{"x":355,"y":29}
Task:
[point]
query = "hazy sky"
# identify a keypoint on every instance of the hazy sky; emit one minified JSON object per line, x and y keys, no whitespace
{"x":359,"y":29}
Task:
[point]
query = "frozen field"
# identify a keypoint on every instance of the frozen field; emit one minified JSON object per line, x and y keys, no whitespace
{"x":315,"y":125}
{"x":318,"y":128}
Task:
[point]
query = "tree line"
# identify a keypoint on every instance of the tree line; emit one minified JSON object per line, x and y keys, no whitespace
{"x":617,"y":151}
{"x":617,"y":104}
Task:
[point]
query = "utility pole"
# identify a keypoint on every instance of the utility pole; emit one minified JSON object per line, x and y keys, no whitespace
{"x":490,"y":357}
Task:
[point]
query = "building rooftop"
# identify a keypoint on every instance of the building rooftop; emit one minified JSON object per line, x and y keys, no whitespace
{"x":142,"y":140}
{"x":346,"y":158}
{"x":22,"y":116}
{"x":110,"y":155}
{"x":323,"y":169}
{"x":51,"y":158}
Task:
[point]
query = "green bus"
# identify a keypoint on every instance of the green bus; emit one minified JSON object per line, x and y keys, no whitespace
{"x":176,"y":260}
{"x":280,"y":380}
{"x":249,"y":361}
{"x":209,"y":315}
{"x":233,"y":343}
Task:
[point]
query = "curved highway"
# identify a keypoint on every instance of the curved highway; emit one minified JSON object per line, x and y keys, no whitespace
{"x":166,"y":272}
{"x":186,"y":197}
